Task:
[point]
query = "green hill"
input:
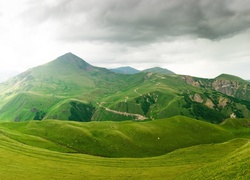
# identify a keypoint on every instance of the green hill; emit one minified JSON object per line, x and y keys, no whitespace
{"x":68,"y":88}
{"x":120,"y":139}
{"x":159,"y":70}
{"x":65,"y":80}
{"x":176,"y":126}
{"x":41,"y":149}
{"x":230,"y":78}
{"x":233,"y":166}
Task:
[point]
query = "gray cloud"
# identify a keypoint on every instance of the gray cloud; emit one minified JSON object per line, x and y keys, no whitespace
{"x":143,"y":20}
{"x":195,"y":37}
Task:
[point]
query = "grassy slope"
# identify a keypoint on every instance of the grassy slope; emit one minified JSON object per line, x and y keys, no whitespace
{"x":48,"y":86}
{"x":124,"y":139}
{"x":166,"y":89}
{"x":230,"y":77}
{"x":68,"y":78}
{"x":233,"y":166}
{"x":220,"y":161}
{"x":173,"y":97}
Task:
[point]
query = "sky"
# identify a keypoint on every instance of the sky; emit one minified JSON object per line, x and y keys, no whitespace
{"x":202,"y":38}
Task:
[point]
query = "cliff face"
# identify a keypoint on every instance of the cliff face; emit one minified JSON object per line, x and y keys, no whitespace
{"x":225,"y":95}
{"x":227,"y":87}
{"x":234,"y":87}
{"x":240,"y":90}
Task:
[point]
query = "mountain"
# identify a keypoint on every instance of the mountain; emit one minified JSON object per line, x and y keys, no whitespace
{"x":130,"y":70}
{"x":125,"y":70}
{"x":68,"y":88}
{"x":56,"y":90}
{"x":158,"y":70}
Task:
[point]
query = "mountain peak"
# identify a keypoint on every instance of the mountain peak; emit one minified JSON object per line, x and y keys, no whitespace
{"x":69,"y":57}
{"x":70,"y":60}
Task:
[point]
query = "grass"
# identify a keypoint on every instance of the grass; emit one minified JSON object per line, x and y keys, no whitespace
{"x":120,"y":139}
{"x":233,"y":166}
{"x":46,"y":92}
{"x":20,"y":161}
{"x":197,"y":150}
{"x":172,"y":148}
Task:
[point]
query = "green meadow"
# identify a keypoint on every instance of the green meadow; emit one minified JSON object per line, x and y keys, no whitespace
{"x":68,"y":119}
{"x":172,"y":148}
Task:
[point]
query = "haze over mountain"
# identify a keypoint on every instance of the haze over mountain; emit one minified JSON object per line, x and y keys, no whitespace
{"x":130,"y":70}
{"x":68,"y":88}
{"x":125,"y":70}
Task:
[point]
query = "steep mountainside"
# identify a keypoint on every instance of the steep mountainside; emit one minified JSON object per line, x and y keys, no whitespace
{"x":227,"y":84}
{"x":69,"y":88}
{"x":66,"y":83}
{"x":162,"y":96}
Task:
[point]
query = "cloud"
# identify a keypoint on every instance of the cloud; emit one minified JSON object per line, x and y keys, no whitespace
{"x":195,"y":37}
{"x":141,"y":21}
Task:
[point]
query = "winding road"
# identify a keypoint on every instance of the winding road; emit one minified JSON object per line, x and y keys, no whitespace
{"x":137,"y":116}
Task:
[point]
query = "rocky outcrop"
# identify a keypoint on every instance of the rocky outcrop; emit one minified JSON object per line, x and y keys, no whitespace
{"x":226,"y":87}
{"x":197,"y":98}
{"x":209,"y":103}
{"x":190,"y":80}
{"x":223,"y":102}
{"x":237,"y":88}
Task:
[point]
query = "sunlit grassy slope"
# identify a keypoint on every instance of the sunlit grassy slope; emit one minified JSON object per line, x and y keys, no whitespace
{"x":44,"y":88}
{"x":124,"y":139}
{"x":37,"y":150}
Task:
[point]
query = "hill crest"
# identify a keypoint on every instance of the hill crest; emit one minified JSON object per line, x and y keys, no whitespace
{"x":158,"y":70}
{"x":229,"y":77}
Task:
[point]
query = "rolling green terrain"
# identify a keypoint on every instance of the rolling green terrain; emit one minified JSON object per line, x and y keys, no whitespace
{"x":68,"y":119}
{"x":198,"y":150}
{"x":68,"y":88}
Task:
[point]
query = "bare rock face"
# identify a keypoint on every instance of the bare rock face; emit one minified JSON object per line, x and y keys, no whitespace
{"x":223,"y":102}
{"x":190,"y":80}
{"x":226,"y":87}
{"x":209,"y":103}
{"x":230,"y":85}
{"x":197,"y":98}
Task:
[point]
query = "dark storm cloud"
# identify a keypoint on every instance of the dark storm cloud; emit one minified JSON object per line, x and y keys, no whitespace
{"x":143,"y":20}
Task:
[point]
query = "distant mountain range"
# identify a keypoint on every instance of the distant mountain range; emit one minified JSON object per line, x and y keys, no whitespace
{"x":130,"y":70}
{"x":68,"y":88}
{"x":125,"y":70}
